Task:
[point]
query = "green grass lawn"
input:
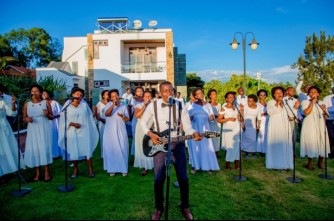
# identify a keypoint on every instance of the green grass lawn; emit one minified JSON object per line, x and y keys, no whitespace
{"x":265,"y":195}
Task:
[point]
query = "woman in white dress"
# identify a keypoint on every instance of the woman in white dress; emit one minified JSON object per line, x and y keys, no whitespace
{"x":8,"y":143}
{"x":141,"y":160}
{"x":229,"y":116}
{"x":252,"y":120}
{"x":203,"y":154}
{"x":263,"y":130}
{"x":56,"y":109}
{"x":115,"y":137}
{"x":214,"y":125}
{"x":279,"y":149}
{"x":38,"y":149}
{"x":137,"y":99}
{"x":192,"y":99}
{"x":82,"y":133}
{"x":99,"y":116}
{"x":314,"y":135}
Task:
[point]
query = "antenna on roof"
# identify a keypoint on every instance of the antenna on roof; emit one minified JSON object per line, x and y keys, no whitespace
{"x":152,"y":23}
{"x":137,"y":24}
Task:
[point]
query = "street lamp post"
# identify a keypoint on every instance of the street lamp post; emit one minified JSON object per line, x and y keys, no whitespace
{"x":253,"y":46}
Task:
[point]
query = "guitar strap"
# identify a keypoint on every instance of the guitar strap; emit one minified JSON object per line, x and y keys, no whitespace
{"x":156,"y":115}
{"x":179,"y":120}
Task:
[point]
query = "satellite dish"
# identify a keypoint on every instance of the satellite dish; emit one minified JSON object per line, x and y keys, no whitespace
{"x":137,"y":24}
{"x":152,"y":23}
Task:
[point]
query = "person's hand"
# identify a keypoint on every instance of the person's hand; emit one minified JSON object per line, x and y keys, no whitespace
{"x":13,"y":100}
{"x":45,"y":112}
{"x":297,"y":104}
{"x":76,"y":125}
{"x":197,"y":136}
{"x":323,"y":107}
{"x":154,"y":137}
{"x":29,"y":119}
{"x":232,"y":119}
{"x":121,"y":115}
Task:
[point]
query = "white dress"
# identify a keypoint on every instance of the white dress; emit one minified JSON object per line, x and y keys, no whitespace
{"x":134,"y":125}
{"x":81,"y":142}
{"x":215,"y":126}
{"x":312,"y":139}
{"x":231,"y":135}
{"x":203,"y":152}
{"x":249,"y":135}
{"x":8,"y":143}
{"x":141,"y":160}
{"x":115,"y":141}
{"x":188,"y":142}
{"x":279,"y":149}
{"x":56,"y":110}
{"x":262,"y":137}
{"x":38,"y":150}
{"x":100,"y":107}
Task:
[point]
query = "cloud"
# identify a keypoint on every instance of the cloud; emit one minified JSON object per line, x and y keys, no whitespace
{"x":281,"y":10}
{"x":273,"y":75}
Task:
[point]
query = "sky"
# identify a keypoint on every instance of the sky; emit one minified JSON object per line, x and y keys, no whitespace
{"x":203,"y":30}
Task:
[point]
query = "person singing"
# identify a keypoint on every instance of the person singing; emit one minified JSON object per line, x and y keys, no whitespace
{"x":161,"y":118}
{"x":279,"y":150}
{"x":82,"y":133}
{"x":314,"y":136}
{"x":8,"y":143}
{"x":38,"y":150}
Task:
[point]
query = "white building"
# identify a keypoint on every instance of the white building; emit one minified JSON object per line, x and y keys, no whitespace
{"x":116,"y":56}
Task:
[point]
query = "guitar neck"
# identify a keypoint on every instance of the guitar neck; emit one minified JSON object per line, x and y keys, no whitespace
{"x":178,"y":138}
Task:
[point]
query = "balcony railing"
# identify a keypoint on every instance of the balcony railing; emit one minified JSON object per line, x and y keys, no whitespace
{"x":141,"y":67}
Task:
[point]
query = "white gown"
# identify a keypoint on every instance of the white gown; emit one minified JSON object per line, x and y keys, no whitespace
{"x":314,"y":130}
{"x":231,"y":135}
{"x":56,"y":110}
{"x":100,"y":106}
{"x":115,"y":141}
{"x":81,"y":142}
{"x":8,"y":142}
{"x":262,"y":137}
{"x":203,"y":152}
{"x":249,"y":135}
{"x":141,"y":160}
{"x":279,"y":149}
{"x":133,"y":126}
{"x":38,"y":150}
{"x":214,"y":126}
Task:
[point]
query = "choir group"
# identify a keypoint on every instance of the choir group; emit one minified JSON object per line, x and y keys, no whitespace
{"x":262,"y":126}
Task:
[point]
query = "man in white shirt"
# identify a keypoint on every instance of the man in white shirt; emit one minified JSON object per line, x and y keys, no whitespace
{"x":302,"y":96}
{"x":291,"y":106}
{"x":159,"y":112}
{"x":179,"y":98}
{"x":329,"y":102}
{"x":241,"y":98}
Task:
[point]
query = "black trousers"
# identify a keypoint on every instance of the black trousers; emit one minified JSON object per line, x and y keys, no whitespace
{"x":330,"y":129}
{"x":179,"y":160}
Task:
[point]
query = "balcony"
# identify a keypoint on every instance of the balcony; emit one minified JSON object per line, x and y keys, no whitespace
{"x":141,"y":67}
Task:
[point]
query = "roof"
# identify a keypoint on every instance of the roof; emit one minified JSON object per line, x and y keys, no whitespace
{"x":19,"y":69}
{"x":63,"y":67}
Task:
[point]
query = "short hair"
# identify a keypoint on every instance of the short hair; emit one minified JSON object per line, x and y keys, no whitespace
{"x":50,"y":93}
{"x":75,"y":89}
{"x":147,"y":92}
{"x":3,"y":88}
{"x":39,"y":87}
{"x":113,"y":91}
{"x":230,"y":92}
{"x":164,"y":83}
{"x":314,"y":87}
{"x":209,"y":93}
{"x":274,"y":89}
{"x":103,"y":92}
{"x":260,"y":91}
{"x":139,"y":87}
{"x":195,"y":90}
{"x":252,"y":96}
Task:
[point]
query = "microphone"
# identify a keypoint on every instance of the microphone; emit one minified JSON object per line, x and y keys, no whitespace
{"x":73,"y":98}
{"x":171,"y":100}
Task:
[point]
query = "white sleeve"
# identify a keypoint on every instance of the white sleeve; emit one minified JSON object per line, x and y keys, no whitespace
{"x":186,"y":122}
{"x":299,"y":88}
{"x":147,"y":116}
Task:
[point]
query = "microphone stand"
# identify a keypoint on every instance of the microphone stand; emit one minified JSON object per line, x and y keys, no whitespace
{"x":169,"y":155}
{"x":239,"y":177}
{"x":21,"y":191}
{"x":66,"y":188}
{"x":325,"y":176}
{"x":293,"y":179}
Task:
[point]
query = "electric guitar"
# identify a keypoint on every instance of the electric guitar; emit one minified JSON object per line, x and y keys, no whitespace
{"x":151,"y":149}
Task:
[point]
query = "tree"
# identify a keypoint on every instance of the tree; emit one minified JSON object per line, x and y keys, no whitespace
{"x":6,"y":55}
{"x":31,"y":48}
{"x":193,"y":81}
{"x":317,"y":65}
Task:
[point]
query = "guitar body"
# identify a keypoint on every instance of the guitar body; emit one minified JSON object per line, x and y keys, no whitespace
{"x":150,"y":149}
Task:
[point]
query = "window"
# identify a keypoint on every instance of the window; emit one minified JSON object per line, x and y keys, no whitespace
{"x":101,"y":83}
{"x":75,"y":67}
{"x":96,"y":45}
